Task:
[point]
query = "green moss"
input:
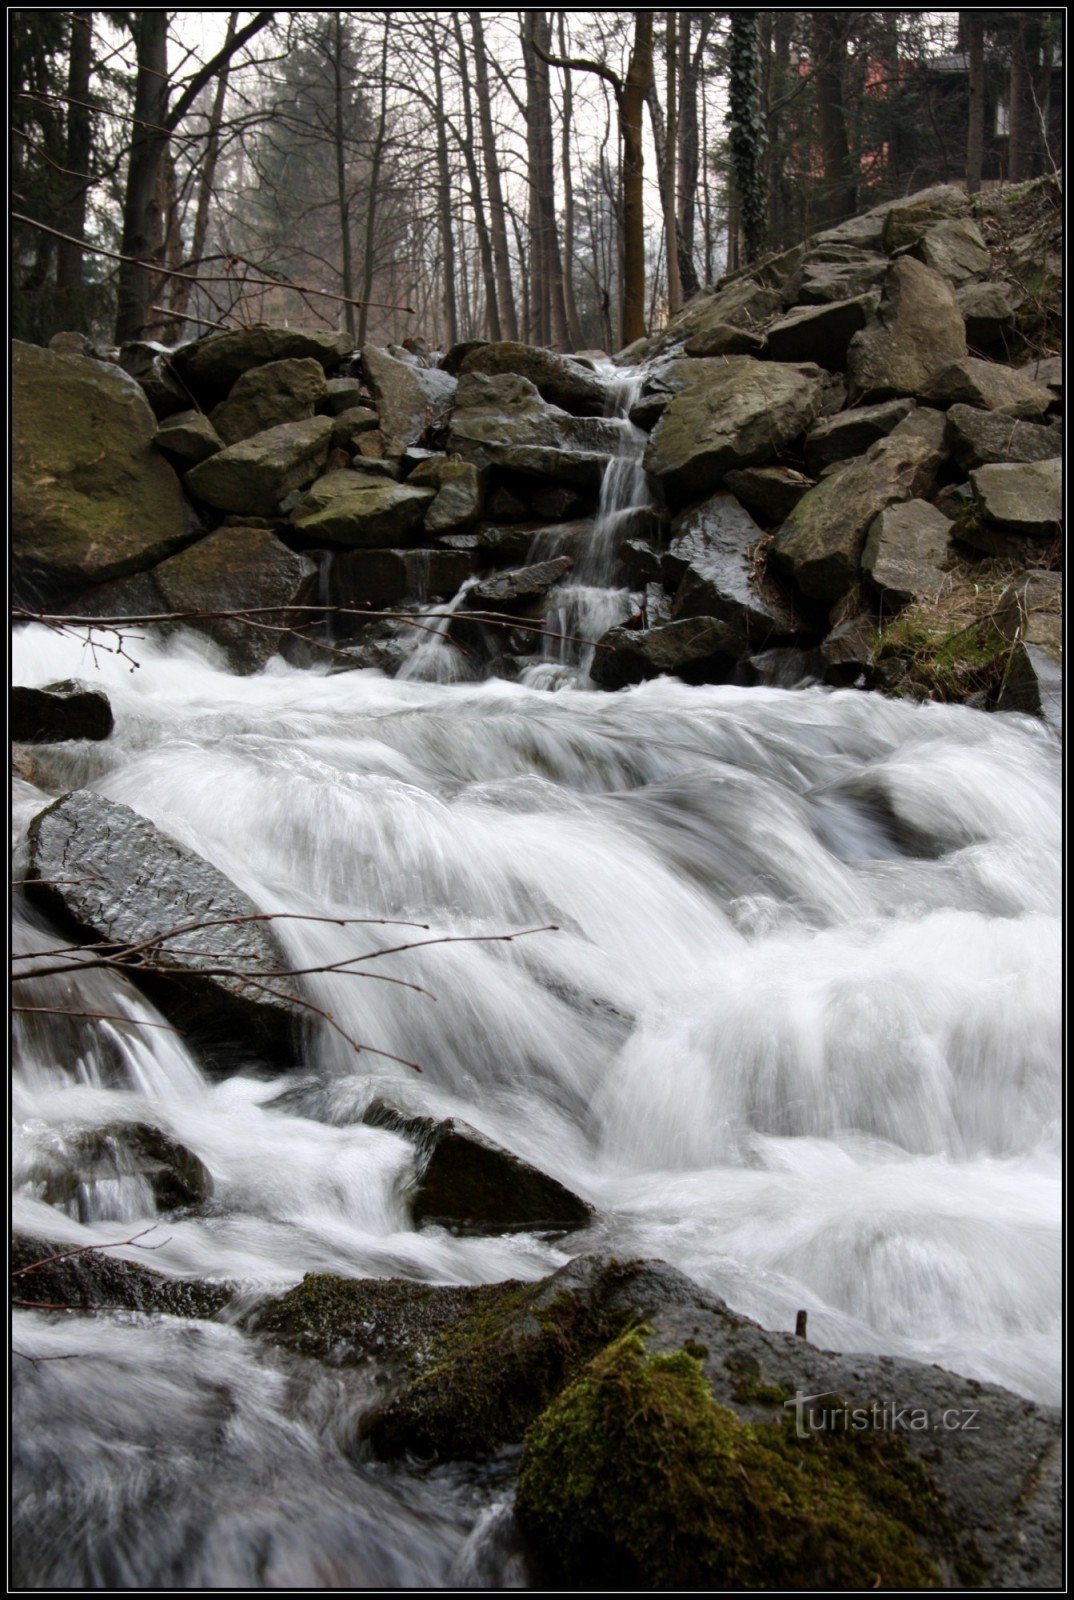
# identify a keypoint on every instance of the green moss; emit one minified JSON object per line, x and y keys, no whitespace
{"x":933,"y":655}
{"x":95,"y":1281}
{"x":635,"y":1477}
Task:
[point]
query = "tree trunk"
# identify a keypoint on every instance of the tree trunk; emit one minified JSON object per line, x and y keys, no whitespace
{"x":1024,"y":142}
{"x":484,"y":243}
{"x":689,"y":150}
{"x":539,"y":328}
{"x":670,"y":168}
{"x":342,"y":198}
{"x":573,"y":323}
{"x":546,"y":188}
{"x":631,"y":105}
{"x":497,"y":215}
{"x":76,"y":160}
{"x":829,"y":45}
{"x":141,"y":205}
{"x":443,"y":204}
{"x":182,"y":287}
{"x":972,"y":22}
{"x":369,"y":252}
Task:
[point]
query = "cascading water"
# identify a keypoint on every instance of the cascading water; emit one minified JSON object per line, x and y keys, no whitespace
{"x":798,"y":1033}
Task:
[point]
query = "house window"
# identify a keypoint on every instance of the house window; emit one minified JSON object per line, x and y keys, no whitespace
{"x":1003,"y":119}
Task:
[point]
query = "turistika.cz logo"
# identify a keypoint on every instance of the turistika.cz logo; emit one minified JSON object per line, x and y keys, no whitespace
{"x":881,"y":1416}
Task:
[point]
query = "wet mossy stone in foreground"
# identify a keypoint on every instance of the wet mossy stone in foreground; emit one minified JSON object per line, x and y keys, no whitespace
{"x":636,"y":1478}
{"x":92,"y":1280}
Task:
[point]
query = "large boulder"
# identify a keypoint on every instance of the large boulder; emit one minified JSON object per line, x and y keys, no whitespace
{"x":410,"y":400}
{"x":732,"y":412}
{"x":696,"y":649}
{"x":905,"y":553}
{"x":93,"y":1163}
{"x":770,"y":493}
{"x":850,"y":433}
{"x":556,"y":378}
{"x":468,"y":1183}
{"x":91,"y":499}
{"x":711,"y":564}
{"x":134,"y":886}
{"x":819,"y":333}
{"x":378,"y":578}
{"x":1021,"y":498}
{"x":911,"y":214}
{"x":189,"y":437}
{"x":282,"y":391}
{"x":955,"y":249}
{"x":838,"y":272}
{"x":239,"y":569}
{"x":493,"y":413}
{"x":210,"y":366}
{"x":68,"y":710}
{"x":990,"y":386}
{"x":460,"y":493}
{"x":724,"y":339}
{"x":362,"y":511}
{"x":252,"y":477}
{"x":517,"y":590}
{"x":989,"y":310}
{"x":819,"y":546}
{"x":976,"y":438}
{"x":918,"y":330}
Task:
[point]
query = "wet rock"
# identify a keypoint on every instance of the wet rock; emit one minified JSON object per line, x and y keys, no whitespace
{"x":69,"y":710}
{"x":93,"y":1281}
{"x":848,"y":652}
{"x":492,"y":412}
{"x":919,"y":329}
{"x":781,"y":668}
{"x":712,"y":566}
{"x":136,"y":884}
{"x":723,"y":339}
{"x":646,"y":412}
{"x":955,"y":249}
{"x":255,"y":475}
{"x":363,"y":512}
{"x":734,"y":412}
{"x":696,"y":649}
{"x":1024,"y":499}
{"x":150,"y":365}
{"x":454,"y":358}
{"x":990,"y":386}
{"x":818,"y":333}
{"x":977,"y":438}
{"x":850,"y":433}
{"x":239,"y":569}
{"x":582,"y":470}
{"x":189,"y":437}
{"x":905,"y":553}
{"x":640,"y":562}
{"x":384,"y":577}
{"x":563,"y":382}
{"x":1033,"y":683}
{"x":512,"y":591}
{"x":91,"y":499}
{"x":211,"y":366}
{"x":281,"y":391}
{"x":676,"y":1461}
{"x":174,"y":1175}
{"x":989,"y":310}
{"x":470,"y":1184}
{"x":819,"y":546}
{"x":411,"y":401}
{"x":770,"y":493}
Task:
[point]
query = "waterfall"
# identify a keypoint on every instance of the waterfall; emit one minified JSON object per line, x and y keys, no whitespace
{"x":798,"y":1033}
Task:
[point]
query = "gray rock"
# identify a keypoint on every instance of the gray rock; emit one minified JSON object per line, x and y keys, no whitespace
{"x":989,"y":311}
{"x":239,"y":569}
{"x":908,"y":220}
{"x":280,"y":391}
{"x":733,"y":412}
{"x":976,"y":438}
{"x":68,"y":710}
{"x":1048,"y":370}
{"x":410,"y":401}
{"x":850,"y":433}
{"x":819,"y":333}
{"x":955,"y":249}
{"x":91,"y":499}
{"x":452,"y":361}
{"x":174,"y":1174}
{"x":364,"y":512}
{"x":905,"y":551}
{"x":134,"y":884}
{"x":563,"y":382}
{"x":1033,"y":683}
{"x":711,"y":564}
{"x":989,"y":386}
{"x":344,"y":394}
{"x":1026,"y":498}
{"x":513,"y":591}
{"x":696,"y":649}
{"x":927,"y":206}
{"x":460,"y":493}
{"x":150,"y":366}
{"x":819,"y":546}
{"x":838,"y":272}
{"x":723,"y":339}
{"x":349,"y":426}
{"x":470,"y":1184}
{"x":640,"y":562}
{"x":582,"y":470}
{"x":770,"y":493}
{"x":189,"y":436}
{"x":380,"y":578}
{"x":919,"y":329}
{"x":252,"y":477}
{"x":849,"y":650}
{"x":210,"y":366}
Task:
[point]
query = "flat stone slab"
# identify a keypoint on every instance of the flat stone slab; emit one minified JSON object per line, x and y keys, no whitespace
{"x":1026,"y":498}
{"x":904,"y":552}
{"x":254,"y":476}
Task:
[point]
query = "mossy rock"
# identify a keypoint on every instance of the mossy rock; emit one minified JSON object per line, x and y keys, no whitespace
{"x":636,"y":1478}
{"x":933,"y":653}
{"x":90,"y":1280}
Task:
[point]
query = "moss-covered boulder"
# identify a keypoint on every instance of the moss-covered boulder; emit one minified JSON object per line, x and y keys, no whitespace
{"x":91,"y":499}
{"x":188,"y":437}
{"x":281,"y":391}
{"x":977,"y":438}
{"x":210,"y":366}
{"x":56,"y":1276}
{"x":362,"y":511}
{"x":239,"y":569}
{"x":556,"y":378}
{"x":990,"y":385}
{"x":252,"y":477}
{"x":919,"y":328}
{"x":635,"y":1478}
{"x":460,"y":493}
{"x":137,"y":886}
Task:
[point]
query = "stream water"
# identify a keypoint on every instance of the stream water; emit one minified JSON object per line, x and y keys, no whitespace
{"x":797,"y":1032}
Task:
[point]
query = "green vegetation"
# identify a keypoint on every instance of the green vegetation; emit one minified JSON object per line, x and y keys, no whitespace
{"x":635,"y":1476}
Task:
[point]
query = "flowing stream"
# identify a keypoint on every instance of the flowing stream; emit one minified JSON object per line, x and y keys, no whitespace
{"x":797,"y":1032}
